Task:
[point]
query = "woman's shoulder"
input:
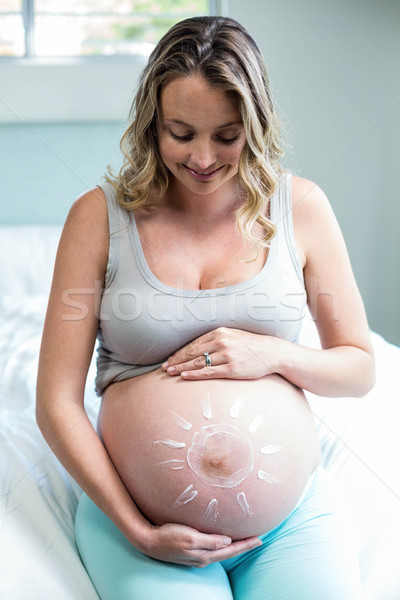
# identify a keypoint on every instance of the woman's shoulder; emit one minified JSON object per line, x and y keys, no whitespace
{"x":309,"y":201}
{"x":306,"y":192}
{"x":92,"y":200}
{"x":89,"y":209}
{"x":86,"y":226}
{"x":313,"y":216}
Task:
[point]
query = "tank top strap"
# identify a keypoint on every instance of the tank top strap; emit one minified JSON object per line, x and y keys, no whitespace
{"x":283,"y":219}
{"x":118,"y":222}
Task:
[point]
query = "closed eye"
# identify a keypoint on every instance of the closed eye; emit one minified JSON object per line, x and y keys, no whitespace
{"x":181,"y":138}
{"x":229,"y":140}
{"x":189,"y":137}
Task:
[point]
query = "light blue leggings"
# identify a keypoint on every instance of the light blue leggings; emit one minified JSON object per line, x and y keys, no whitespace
{"x":309,"y":556}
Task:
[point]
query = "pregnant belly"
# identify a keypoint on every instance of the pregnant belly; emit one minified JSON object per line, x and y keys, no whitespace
{"x":222,"y":456}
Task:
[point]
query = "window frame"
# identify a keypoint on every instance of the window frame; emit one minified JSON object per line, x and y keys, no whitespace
{"x":71,"y":89}
{"x":28,"y":21}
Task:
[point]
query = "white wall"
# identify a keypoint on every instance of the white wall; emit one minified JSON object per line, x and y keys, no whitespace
{"x":67,"y":90}
{"x":334,"y":66}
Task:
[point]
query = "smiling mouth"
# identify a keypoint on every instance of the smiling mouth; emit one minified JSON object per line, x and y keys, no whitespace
{"x":204,"y":175}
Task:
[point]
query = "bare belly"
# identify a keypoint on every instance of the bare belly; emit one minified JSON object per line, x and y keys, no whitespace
{"x":222,"y":456}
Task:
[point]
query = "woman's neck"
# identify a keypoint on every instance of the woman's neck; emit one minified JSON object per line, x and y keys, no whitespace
{"x":217,"y":206}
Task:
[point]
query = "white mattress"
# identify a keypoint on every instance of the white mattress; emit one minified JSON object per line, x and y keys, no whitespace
{"x":38,"y":557}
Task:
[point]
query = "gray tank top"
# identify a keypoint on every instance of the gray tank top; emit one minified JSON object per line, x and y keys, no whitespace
{"x":142,"y":321}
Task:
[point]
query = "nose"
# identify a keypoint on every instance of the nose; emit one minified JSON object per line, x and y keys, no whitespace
{"x":202,"y":155}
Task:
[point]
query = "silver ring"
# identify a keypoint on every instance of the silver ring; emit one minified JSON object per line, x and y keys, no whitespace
{"x":208,"y":359}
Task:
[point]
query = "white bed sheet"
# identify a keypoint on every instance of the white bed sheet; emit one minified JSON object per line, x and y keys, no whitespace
{"x":38,"y":557}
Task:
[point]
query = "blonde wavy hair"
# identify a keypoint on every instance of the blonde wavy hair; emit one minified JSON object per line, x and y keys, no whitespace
{"x":222,"y":51}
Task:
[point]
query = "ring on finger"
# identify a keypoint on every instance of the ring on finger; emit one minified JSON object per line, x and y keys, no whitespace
{"x":208,"y":359}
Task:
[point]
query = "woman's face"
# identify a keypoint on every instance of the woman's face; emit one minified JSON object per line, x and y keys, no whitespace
{"x":201,"y":134}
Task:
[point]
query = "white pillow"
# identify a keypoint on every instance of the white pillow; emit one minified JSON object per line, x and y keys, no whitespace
{"x":27,"y":254}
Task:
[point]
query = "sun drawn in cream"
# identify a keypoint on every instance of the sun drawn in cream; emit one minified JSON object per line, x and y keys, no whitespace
{"x":211,"y":440}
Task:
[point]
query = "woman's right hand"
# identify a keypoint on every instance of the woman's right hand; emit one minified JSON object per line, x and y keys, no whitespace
{"x":186,"y":546}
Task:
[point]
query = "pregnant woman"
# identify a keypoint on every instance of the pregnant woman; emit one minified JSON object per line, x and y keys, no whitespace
{"x":193,"y":267}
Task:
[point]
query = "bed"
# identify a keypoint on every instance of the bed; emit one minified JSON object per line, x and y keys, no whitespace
{"x":38,"y":558}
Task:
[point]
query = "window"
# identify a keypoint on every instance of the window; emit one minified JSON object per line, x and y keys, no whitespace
{"x":84,"y":28}
{"x":12,"y":36}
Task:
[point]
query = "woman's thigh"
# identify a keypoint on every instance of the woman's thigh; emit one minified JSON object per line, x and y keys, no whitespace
{"x":310,"y":556}
{"x":120,"y":572}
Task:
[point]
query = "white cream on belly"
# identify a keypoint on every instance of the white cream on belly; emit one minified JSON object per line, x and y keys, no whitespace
{"x":219,"y":455}
{"x":256,"y":439}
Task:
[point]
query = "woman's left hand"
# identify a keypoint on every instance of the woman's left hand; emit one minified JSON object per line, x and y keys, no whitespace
{"x":233,"y":353}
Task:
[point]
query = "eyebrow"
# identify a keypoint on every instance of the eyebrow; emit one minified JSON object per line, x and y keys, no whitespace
{"x":179,"y":122}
